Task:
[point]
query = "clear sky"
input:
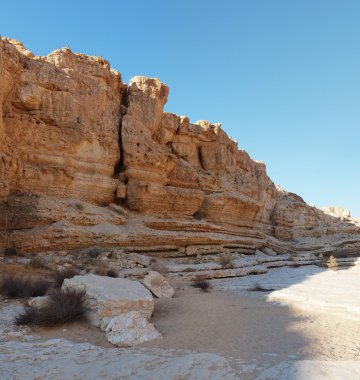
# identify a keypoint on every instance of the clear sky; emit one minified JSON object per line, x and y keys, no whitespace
{"x":282,"y":76}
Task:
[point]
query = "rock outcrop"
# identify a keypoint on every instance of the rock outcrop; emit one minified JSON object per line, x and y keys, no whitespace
{"x":59,"y":124}
{"x":87,"y":160}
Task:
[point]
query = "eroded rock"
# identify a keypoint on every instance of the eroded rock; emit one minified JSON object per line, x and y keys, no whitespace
{"x":158,"y":285}
{"x":130,"y":329}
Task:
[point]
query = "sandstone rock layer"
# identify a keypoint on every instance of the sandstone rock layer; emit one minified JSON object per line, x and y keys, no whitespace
{"x":87,"y":160}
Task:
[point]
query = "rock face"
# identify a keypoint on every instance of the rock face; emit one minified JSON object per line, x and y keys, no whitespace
{"x":59,"y":125}
{"x":87,"y":160}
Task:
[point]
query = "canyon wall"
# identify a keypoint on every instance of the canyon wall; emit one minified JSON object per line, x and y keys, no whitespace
{"x":88,"y":160}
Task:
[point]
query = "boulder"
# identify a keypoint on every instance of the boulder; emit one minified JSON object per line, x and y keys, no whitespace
{"x":130,"y":329}
{"x":109,"y":297}
{"x":113,"y":302}
{"x":119,"y":307}
{"x":158,"y":285}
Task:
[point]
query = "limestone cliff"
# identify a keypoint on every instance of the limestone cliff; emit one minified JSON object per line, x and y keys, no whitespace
{"x":88,"y":160}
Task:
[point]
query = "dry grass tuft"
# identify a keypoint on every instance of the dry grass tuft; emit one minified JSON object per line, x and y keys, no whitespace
{"x":60,"y":275}
{"x":93,"y":252}
{"x":63,"y":306}
{"x":259,"y":288}
{"x":79,"y":206}
{"x":13,"y":286}
{"x":10,"y":252}
{"x":37,"y":263}
{"x":202,"y":283}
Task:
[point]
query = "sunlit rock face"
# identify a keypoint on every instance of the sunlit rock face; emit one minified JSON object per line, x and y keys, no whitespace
{"x":71,"y":131}
{"x":59,"y":124}
{"x":188,"y":169}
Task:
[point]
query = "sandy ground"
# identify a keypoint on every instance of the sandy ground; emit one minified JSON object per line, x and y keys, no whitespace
{"x":278,"y":334}
{"x":250,"y":329}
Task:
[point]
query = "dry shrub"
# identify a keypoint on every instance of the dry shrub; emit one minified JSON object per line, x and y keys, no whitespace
{"x":79,"y":206}
{"x":201,"y":283}
{"x":37,"y":263}
{"x":14,"y":286}
{"x":259,"y":288}
{"x":60,"y":275}
{"x":63,"y":306}
{"x":93,"y":252}
{"x":10,"y":252}
{"x":112,"y":273}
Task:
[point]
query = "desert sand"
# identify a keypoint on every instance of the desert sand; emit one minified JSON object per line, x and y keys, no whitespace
{"x":232,"y":332}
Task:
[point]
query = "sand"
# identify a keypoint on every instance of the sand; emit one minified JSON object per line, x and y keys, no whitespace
{"x":250,"y":330}
{"x":286,"y":333}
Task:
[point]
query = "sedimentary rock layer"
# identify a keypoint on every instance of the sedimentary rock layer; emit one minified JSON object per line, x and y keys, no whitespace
{"x":88,"y":160}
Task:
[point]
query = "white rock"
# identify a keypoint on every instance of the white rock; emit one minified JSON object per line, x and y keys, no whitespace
{"x":86,"y":361}
{"x":130,"y":329}
{"x":109,"y":297}
{"x":158,"y":285}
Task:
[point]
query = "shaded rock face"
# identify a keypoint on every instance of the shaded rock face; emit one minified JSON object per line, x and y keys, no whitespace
{"x":78,"y":140}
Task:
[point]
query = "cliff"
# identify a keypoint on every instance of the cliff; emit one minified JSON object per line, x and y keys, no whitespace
{"x":88,"y":160}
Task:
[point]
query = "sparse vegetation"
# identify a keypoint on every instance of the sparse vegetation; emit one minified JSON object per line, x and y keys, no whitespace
{"x":37,"y":263}
{"x":202,"y":283}
{"x":259,"y":288}
{"x":62,"y":306}
{"x":93,"y":252}
{"x":79,"y":206}
{"x":332,"y":263}
{"x":10,"y":252}
{"x":60,"y":275}
{"x":14,"y":286}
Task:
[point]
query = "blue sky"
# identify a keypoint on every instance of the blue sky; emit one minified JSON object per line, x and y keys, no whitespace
{"x":283,"y":77}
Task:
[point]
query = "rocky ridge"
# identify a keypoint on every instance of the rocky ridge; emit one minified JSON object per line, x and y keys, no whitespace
{"x":86,"y":160}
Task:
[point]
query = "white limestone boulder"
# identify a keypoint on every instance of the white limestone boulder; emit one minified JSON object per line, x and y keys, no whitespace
{"x":158,"y":285}
{"x":130,"y":329}
{"x":109,"y":297}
